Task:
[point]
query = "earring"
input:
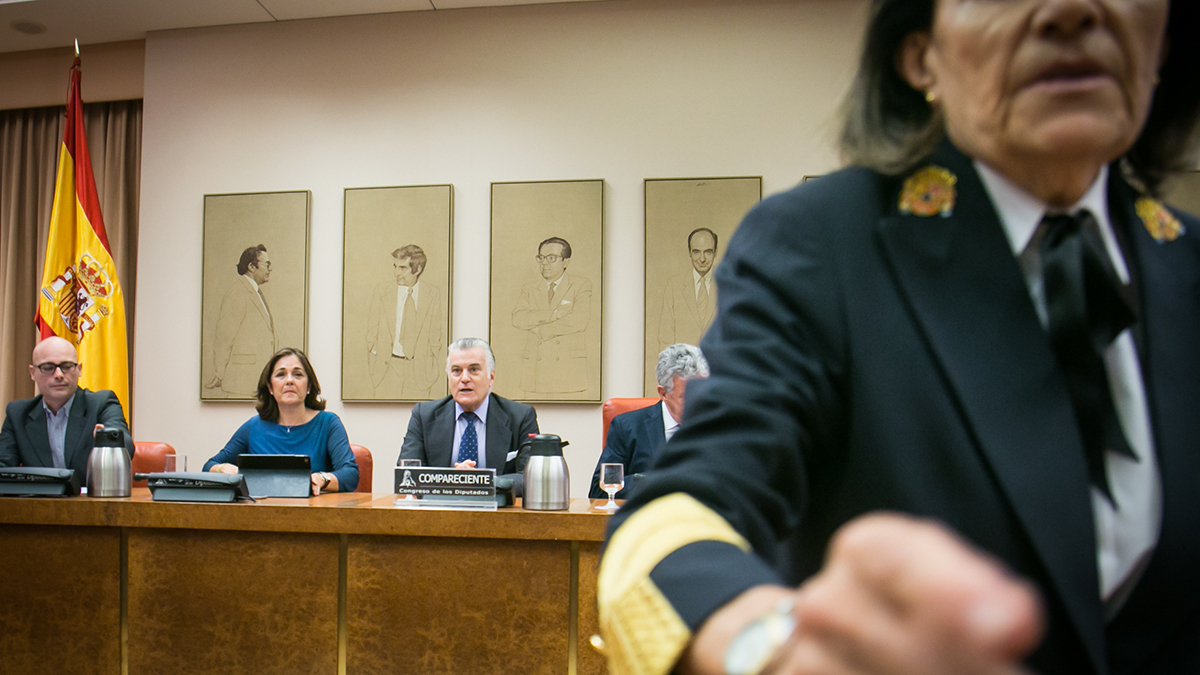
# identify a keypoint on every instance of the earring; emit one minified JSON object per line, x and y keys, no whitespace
{"x":930,"y":97}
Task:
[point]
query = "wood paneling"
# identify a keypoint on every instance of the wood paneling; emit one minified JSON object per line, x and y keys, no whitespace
{"x":62,"y":604}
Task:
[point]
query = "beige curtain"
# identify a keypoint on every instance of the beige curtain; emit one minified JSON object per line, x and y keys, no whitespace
{"x":29,"y":145}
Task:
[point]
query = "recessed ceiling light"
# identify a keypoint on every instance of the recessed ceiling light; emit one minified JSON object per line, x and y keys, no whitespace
{"x":28,"y":27}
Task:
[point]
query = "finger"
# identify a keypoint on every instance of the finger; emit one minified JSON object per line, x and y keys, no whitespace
{"x":942,"y":595}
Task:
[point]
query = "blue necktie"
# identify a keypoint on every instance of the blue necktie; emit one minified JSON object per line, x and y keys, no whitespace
{"x":468,"y":447}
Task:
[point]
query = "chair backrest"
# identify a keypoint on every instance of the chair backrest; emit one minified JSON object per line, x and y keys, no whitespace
{"x":615,"y":406}
{"x":366,"y":467}
{"x":150,"y":457}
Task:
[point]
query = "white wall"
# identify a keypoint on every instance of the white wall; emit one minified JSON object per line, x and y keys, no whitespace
{"x":621,"y":90}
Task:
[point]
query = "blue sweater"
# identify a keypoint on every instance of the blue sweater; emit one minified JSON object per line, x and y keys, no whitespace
{"x":323,"y":439}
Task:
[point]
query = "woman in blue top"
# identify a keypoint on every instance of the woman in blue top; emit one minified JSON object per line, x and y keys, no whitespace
{"x":292,"y":421}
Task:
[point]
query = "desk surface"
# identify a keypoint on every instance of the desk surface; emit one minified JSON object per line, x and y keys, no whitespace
{"x":346,"y":513}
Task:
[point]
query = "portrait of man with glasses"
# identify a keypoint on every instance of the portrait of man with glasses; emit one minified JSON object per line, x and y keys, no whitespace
{"x":555,"y":311}
{"x":55,"y":428}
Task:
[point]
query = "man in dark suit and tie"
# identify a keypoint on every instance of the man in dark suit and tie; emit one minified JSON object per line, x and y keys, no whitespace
{"x":54,"y":429}
{"x":634,"y":438}
{"x":452,"y":431}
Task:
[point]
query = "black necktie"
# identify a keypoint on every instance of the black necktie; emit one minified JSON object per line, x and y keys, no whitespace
{"x":1086,"y":313}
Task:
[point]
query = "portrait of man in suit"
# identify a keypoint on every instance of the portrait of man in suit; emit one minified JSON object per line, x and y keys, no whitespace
{"x":689,"y":300}
{"x":406,"y":324}
{"x":245,"y":331}
{"x":555,"y":313}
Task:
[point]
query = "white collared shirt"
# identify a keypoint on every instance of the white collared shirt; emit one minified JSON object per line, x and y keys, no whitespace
{"x":670,"y":424}
{"x":258,"y":293}
{"x":698,"y":279}
{"x":56,"y":431}
{"x":460,"y":426}
{"x":1123,"y":537}
{"x":401,"y":296}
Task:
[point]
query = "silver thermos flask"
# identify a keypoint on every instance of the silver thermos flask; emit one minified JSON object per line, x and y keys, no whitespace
{"x":547,"y":482}
{"x":109,"y":472}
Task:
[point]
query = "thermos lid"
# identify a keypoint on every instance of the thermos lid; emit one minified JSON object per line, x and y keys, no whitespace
{"x":545,"y":445}
{"x":108,"y":437}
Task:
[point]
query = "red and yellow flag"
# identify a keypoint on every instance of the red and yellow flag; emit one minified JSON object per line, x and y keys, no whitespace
{"x":80,"y":298}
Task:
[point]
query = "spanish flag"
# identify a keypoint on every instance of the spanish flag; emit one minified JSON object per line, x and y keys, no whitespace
{"x":80,"y":298}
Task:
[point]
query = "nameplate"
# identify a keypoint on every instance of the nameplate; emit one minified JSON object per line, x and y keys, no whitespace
{"x":441,"y":487}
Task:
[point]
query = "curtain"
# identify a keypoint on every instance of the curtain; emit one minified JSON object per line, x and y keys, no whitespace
{"x":30,"y":141}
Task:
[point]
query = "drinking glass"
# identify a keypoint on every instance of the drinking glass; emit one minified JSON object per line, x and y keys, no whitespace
{"x":174,"y":463}
{"x":612,"y":479}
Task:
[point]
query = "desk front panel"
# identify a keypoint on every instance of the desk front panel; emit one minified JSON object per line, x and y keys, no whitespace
{"x":232,"y":602}
{"x":62,"y":600}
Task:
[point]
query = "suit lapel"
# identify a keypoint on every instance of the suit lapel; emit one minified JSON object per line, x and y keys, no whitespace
{"x":389,"y":313}
{"x":440,"y":448}
{"x":655,"y":430}
{"x":259,"y":303}
{"x":74,"y":442}
{"x":499,"y":435}
{"x":1170,"y":321}
{"x":39,"y":437}
{"x":966,"y":291}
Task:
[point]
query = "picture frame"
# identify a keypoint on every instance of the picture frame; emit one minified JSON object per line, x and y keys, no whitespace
{"x":397,"y":251}
{"x":547,"y":246}
{"x":254,"y":287}
{"x":680,"y":293}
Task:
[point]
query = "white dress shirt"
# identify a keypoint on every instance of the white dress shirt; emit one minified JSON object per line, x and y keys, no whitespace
{"x":670,"y":424}
{"x":460,"y":426}
{"x":1125,"y":535}
{"x":402,"y":296}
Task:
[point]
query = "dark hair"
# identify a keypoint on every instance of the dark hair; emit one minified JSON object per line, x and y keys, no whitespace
{"x":699,"y":230}
{"x":268,"y":408}
{"x":888,"y":126}
{"x":557,"y":240}
{"x":414,"y":254}
{"x":250,"y":257}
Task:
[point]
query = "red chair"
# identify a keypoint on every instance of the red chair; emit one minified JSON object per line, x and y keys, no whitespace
{"x":366,"y":467}
{"x":615,"y":406}
{"x":150,"y":457}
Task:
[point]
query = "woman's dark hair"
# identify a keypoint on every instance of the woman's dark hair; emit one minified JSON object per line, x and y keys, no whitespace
{"x":889,"y":127}
{"x":268,"y":408}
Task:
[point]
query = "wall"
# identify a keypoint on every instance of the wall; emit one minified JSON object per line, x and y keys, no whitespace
{"x":32,"y":79}
{"x":616,"y":90}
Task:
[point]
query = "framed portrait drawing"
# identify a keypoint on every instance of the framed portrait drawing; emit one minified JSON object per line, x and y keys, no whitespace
{"x":254,"y":288}
{"x":547,"y":245}
{"x":688,"y":221}
{"x":396,"y":292}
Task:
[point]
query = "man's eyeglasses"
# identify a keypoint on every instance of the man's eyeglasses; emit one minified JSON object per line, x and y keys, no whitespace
{"x":549,"y":258}
{"x":65,"y":366}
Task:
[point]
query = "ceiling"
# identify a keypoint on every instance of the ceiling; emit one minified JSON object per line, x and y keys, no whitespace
{"x":98,"y":21}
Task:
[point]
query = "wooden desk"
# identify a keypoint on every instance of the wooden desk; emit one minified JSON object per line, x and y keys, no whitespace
{"x":342,"y":583}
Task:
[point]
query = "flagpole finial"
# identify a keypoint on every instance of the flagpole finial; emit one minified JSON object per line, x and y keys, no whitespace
{"x":76,"y":46}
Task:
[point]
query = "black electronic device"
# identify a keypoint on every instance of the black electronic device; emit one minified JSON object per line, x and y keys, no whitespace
{"x":277,"y":475}
{"x":32,"y":481}
{"x":192,"y":486}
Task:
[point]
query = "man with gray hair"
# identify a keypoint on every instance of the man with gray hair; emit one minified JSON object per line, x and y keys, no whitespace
{"x":635,"y":437}
{"x":472,"y":427}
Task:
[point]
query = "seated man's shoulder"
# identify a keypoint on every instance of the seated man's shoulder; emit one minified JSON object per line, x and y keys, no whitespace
{"x":639,"y":413}
{"x":430,"y":407}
